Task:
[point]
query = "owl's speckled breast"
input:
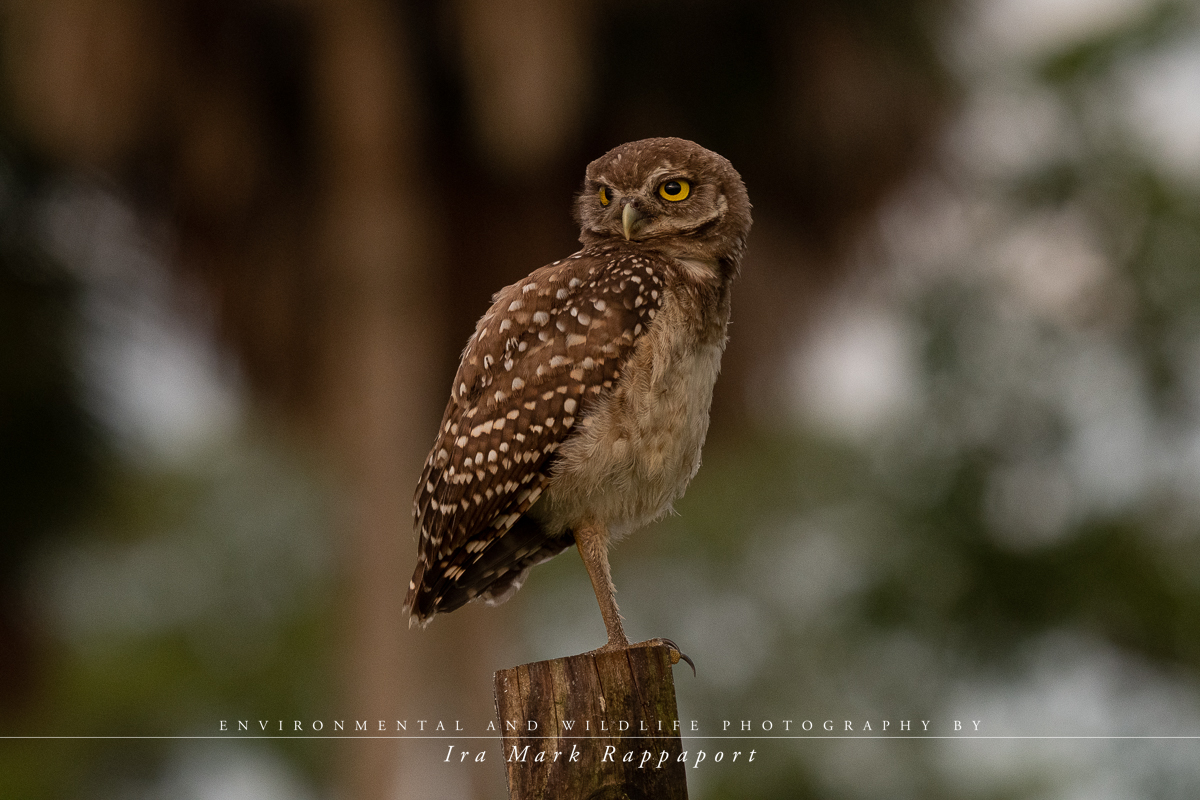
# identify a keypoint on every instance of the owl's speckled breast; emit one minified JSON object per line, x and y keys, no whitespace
{"x":636,"y":451}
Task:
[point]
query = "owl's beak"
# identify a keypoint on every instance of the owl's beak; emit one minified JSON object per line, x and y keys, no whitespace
{"x":630,"y":217}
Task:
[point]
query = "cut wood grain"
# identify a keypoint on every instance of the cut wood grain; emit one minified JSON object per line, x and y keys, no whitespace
{"x":597,"y":726}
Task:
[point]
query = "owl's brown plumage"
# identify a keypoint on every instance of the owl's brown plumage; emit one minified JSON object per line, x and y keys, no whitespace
{"x":581,"y":402}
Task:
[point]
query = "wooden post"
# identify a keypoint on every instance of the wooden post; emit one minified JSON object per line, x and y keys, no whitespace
{"x":592,"y":710}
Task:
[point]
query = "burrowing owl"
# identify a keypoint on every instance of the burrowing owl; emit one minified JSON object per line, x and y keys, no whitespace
{"x":581,"y":402}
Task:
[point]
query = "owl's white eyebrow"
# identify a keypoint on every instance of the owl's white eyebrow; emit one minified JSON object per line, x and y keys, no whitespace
{"x":663,"y":172}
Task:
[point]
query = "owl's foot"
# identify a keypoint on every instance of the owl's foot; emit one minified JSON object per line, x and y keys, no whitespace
{"x":676,"y":653}
{"x":619,"y":641}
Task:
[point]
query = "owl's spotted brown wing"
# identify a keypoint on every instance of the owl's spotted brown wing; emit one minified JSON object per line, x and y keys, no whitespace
{"x":549,"y":345}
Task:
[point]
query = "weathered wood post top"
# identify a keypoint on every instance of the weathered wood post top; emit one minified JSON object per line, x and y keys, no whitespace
{"x":597,"y":726}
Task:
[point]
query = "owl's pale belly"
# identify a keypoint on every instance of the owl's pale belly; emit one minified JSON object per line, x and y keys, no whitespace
{"x":637,"y":450}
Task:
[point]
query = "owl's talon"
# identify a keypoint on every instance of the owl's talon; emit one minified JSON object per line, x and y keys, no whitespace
{"x":677,"y":654}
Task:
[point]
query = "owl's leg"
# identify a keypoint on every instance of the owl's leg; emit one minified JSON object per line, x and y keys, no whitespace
{"x":592,"y":540}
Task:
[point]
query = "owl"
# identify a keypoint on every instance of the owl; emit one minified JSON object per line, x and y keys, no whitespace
{"x":582,"y":399}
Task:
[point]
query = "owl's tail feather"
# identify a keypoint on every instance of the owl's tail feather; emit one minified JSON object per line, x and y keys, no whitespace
{"x":492,"y":575}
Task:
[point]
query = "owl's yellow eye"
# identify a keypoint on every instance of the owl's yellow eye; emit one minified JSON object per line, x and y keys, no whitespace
{"x":605,"y":199}
{"x":675,"y":190}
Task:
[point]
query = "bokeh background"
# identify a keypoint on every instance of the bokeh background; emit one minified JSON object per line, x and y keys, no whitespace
{"x":954,"y":460}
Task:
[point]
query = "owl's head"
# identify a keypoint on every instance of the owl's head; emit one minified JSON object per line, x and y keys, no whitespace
{"x":669,"y":194}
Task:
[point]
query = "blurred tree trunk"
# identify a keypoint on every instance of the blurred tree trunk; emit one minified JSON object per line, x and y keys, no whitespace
{"x":375,"y":343}
{"x":378,"y":337}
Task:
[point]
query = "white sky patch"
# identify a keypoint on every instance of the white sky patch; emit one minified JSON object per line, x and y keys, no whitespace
{"x":153,"y":375}
{"x":157,"y":381}
{"x":1053,"y":262}
{"x":230,"y":771}
{"x":857,"y":372}
{"x":1029,"y":29}
{"x":1162,"y":109}
{"x":1009,"y":128}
